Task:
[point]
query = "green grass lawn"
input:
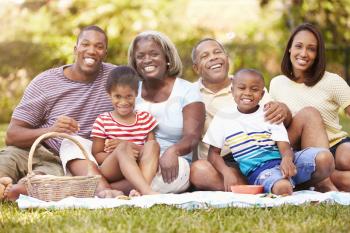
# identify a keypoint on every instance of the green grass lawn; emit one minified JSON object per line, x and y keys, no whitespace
{"x":307,"y":218}
{"x":345,"y":122}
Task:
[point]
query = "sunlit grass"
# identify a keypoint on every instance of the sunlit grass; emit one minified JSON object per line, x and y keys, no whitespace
{"x":307,"y":218}
{"x":345,"y":122}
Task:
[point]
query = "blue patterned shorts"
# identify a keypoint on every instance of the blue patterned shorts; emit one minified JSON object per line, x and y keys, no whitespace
{"x":304,"y":161}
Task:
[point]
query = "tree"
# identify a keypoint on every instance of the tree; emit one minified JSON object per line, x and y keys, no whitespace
{"x":37,"y":35}
{"x":332,"y":17}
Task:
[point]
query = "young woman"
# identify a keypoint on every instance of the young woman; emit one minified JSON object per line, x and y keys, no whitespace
{"x":305,"y":83}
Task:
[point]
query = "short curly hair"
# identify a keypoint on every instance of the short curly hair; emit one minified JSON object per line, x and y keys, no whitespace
{"x":93,"y":28}
{"x":123,"y":76}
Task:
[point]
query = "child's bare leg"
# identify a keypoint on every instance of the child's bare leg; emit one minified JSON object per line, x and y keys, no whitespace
{"x":148,"y":161}
{"x":150,"y":148}
{"x":123,"y":185}
{"x":205,"y":177}
{"x":78,"y":167}
{"x":110,"y":168}
{"x":282,"y":187}
{"x":130,"y":168}
{"x":111,"y":171}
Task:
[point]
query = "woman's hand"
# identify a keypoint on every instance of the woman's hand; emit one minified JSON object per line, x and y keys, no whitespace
{"x":169,"y":165}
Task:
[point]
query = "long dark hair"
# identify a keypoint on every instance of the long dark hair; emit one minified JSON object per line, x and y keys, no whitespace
{"x":316,"y":71}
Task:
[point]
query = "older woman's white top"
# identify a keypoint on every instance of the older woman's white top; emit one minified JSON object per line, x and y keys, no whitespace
{"x":169,"y":112}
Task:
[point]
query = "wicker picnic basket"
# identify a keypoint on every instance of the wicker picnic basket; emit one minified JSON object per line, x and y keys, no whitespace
{"x":55,"y":188}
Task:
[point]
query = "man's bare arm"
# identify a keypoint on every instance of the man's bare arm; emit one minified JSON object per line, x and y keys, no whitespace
{"x":23,"y":135}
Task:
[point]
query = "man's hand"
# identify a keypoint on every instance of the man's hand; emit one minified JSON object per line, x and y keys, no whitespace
{"x":275,"y":112}
{"x":169,"y":165}
{"x":287,"y":167}
{"x":65,"y":124}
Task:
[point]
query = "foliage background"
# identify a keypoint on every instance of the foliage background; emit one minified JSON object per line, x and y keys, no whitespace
{"x":40,"y":34}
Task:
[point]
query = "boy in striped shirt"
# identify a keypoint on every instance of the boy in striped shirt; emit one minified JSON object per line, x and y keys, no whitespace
{"x":124,"y":144}
{"x":261,"y":149}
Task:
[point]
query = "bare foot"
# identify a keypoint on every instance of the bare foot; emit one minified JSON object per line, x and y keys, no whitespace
{"x":134,"y":193}
{"x":325,"y":186}
{"x":109,"y":193}
{"x":15,"y":191}
{"x":5,"y":186}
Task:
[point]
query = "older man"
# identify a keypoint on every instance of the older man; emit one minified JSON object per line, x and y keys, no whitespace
{"x":211,"y":63}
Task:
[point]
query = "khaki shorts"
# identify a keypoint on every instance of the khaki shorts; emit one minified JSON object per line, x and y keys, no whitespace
{"x":14,"y":162}
{"x":70,"y":151}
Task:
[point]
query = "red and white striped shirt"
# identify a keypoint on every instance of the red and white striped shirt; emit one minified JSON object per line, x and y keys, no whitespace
{"x":107,"y":127}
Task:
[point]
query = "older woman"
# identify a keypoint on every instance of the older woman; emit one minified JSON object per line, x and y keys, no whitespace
{"x":174,"y":102}
{"x":305,"y":83}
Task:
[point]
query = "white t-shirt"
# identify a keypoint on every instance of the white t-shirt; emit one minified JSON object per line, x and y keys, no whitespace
{"x":169,"y":113}
{"x":220,"y":102}
{"x":250,"y":138}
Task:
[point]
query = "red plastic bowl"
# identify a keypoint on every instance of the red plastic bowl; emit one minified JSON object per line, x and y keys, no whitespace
{"x":247,"y":189}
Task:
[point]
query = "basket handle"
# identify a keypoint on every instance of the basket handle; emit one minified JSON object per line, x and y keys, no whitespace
{"x":52,"y":135}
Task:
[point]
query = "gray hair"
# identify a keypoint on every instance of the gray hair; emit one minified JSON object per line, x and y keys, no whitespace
{"x":166,"y":45}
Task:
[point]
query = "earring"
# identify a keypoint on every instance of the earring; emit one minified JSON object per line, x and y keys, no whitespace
{"x":168,"y":63}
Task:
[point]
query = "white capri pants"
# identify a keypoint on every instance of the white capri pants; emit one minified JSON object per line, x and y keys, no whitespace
{"x":70,"y":151}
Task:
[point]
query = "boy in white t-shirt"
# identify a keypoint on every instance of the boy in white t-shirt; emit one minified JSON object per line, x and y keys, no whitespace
{"x":261,"y":149}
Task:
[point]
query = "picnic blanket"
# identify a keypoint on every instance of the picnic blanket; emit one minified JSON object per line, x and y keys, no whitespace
{"x":194,"y":200}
